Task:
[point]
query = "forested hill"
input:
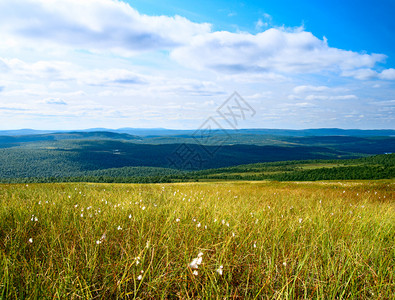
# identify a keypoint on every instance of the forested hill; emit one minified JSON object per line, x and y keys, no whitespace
{"x":74,"y":154}
{"x":369,"y":168}
{"x":10,"y":141}
{"x":144,"y":132}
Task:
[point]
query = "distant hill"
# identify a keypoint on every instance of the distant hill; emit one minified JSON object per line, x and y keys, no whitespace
{"x":95,"y":135}
{"x":62,"y":154}
{"x":171,"y":132}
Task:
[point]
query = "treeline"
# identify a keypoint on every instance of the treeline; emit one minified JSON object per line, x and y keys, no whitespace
{"x":338,"y":173}
{"x":374,"y":167}
{"x":98,"y":179}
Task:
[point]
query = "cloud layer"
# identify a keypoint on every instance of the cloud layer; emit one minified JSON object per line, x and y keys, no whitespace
{"x":107,"y":25}
{"x":274,"y":50}
{"x":95,"y":25}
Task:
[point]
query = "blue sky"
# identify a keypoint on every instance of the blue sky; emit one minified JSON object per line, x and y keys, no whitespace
{"x":69,"y":64}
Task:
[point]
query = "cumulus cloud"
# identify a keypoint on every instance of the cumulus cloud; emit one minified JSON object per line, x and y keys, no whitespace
{"x":274,"y":50}
{"x":110,"y":25}
{"x":94,"y":24}
{"x":362,"y":74}
{"x":388,"y":74}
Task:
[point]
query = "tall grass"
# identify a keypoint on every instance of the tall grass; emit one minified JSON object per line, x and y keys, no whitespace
{"x":273,"y":240}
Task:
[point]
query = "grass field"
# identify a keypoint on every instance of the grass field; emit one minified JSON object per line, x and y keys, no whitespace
{"x":239,"y":240}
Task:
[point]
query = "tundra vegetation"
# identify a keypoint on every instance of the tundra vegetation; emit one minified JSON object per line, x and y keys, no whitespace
{"x":243,"y":240}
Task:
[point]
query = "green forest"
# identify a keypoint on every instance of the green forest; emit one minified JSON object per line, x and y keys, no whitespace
{"x":102,"y":156}
{"x":373,"y":167}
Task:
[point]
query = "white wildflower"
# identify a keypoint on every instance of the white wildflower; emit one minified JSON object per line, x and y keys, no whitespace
{"x":30,"y":240}
{"x":137,"y":259}
{"x":196,"y":273}
{"x":196,"y":261}
{"x":193,"y":264}
{"x":178,"y":220}
{"x":119,"y":228}
{"x":220,"y":270}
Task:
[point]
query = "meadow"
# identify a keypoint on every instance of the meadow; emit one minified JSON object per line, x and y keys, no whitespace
{"x":235,"y":240}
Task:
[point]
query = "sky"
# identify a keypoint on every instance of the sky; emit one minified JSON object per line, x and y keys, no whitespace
{"x":71,"y":64}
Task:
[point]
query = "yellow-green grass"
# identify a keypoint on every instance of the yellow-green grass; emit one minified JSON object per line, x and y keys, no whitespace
{"x":321,"y":240}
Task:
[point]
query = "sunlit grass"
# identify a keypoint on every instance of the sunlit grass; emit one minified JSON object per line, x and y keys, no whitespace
{"x":198,"y":240}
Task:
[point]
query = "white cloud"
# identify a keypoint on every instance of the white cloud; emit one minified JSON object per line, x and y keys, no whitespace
{"x":388,"y":74}
{"x":274,"y":50}
{"x":94,"y":24}
{"x":384,"y":103}
{"x":362,"y":74}
{"x":81,"y":53}
{"x":260,"y":24}
{"x":111,"y":77}
{"x":3,"y":66}
{"x":327,"y":97}
{"x":54,"y":70}
{"x":109,"y":25}
{"x":309,"y":88}
{"x":53,"y":101}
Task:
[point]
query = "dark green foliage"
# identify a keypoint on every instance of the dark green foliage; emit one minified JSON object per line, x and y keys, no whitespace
{"x":73,"y":158}
{"x":120,"y":157}
{"x":340,"y":173}
{"x":374,"y":167}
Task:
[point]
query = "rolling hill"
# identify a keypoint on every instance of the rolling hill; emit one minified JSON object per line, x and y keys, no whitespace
{"x":76,"y":154}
